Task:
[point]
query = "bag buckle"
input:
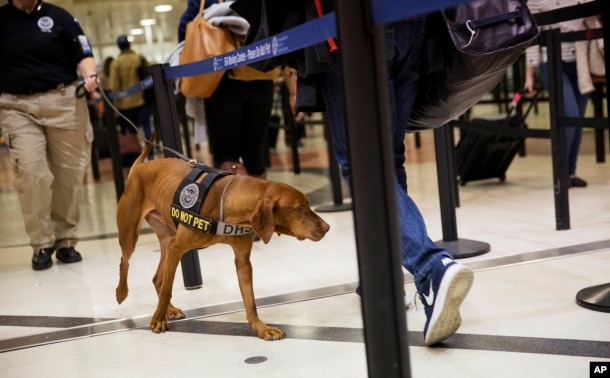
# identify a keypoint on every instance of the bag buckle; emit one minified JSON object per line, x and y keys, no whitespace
{"x":472,"y":30}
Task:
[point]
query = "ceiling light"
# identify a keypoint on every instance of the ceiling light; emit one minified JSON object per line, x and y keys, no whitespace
{"x":148,"y":22}
{"x":163,"y":8}
{"x":136,"y":31}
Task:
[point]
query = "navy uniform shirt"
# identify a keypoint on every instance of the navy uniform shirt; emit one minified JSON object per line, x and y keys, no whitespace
{"x":39,"y":50}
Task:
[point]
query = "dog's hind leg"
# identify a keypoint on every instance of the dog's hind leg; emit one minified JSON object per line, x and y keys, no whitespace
{"x":128,"y":224}
{"x":243,"y":267}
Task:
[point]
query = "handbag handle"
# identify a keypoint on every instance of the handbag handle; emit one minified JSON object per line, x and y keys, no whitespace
{"x":474,"y":25}
{"x":201,"y":4}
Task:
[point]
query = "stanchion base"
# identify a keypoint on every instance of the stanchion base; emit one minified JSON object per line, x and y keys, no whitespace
{"x":463,"y":248}
{"x":596,"y":298}
{"x":333,"y":207}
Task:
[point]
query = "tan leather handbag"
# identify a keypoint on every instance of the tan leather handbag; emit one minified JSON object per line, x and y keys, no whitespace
{"x":203,"y":41}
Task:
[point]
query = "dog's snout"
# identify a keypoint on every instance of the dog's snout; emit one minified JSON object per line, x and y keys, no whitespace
{"x":320,"y":230}
{"x":325,"y":227}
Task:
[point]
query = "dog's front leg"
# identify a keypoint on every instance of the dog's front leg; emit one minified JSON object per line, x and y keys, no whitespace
{"x":166,"y":236}
{"x":158,"y":322}
{"x":244,"y":276}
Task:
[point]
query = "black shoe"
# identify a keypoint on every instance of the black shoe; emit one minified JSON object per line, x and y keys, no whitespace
{"x":68,"y":255}
{"x":577,"y":182}
{"x":42,"y":258}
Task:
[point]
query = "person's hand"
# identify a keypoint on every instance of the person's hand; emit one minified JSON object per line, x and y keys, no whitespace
{"x":90,"y":82}
{"x":298,"y":116}
{"x":529,"y":86}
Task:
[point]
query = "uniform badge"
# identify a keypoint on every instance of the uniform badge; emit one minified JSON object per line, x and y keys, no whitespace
{"x":45,"y":24}
{"x":189,"y":195}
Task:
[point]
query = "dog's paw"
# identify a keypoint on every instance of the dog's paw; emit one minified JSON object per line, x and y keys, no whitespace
{"x":158,"y":326}
{"x":120,"y":296}
{"x":270,"y":333}
{"x":174,"y":313}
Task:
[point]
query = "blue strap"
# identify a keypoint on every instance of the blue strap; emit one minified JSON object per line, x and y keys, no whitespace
{"x":387,"y":11}
{"x":146,"y":83}
{"x":299,"y":37}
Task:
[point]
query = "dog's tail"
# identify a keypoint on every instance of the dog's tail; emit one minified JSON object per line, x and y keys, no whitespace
{"x":145,"y":151}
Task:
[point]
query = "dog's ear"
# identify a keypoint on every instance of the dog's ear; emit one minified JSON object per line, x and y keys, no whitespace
{"x":262,"y":219}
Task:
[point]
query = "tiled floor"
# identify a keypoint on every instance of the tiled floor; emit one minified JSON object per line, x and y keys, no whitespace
{"x":520,"y":319}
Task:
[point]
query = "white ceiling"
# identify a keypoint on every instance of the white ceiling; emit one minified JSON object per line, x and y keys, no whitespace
{"x":104,"y":20}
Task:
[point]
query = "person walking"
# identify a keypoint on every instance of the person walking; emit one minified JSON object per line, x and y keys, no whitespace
{"x":441,"y":282}
{"x":237,"y":114}
{"x":574,"y":100}
{"x":47,"y":128}
{"x":124,"y":75}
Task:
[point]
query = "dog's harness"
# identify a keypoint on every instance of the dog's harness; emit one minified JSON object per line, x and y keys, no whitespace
{"x":189,"y":198}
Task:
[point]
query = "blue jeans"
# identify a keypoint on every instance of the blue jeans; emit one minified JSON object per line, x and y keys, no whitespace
{"x":404,"y":54}
{"x":574,"y":105}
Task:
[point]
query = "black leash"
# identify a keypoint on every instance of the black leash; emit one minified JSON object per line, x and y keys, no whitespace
{"x":82,"y":92}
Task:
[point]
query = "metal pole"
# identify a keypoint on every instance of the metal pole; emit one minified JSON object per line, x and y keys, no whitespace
{"x":115,"y":151}
{"x":335,"y":176}
{"x":366,"y":100}
{"x":170,"y":135}
{"x":605,"y":12}
{"x":552,"y":40}
{"x":449,"y":198}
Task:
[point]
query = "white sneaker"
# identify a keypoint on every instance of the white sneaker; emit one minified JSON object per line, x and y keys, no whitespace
{"x":442,"y":293}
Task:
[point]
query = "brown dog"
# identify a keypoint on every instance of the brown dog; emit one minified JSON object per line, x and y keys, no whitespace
{"x":267,"y":207}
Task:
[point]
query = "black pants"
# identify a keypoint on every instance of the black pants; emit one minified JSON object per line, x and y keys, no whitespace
{"x":237,"y":116}
{"x":133,"y":115}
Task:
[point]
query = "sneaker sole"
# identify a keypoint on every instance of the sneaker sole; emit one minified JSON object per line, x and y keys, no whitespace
{"x":446,"y":318}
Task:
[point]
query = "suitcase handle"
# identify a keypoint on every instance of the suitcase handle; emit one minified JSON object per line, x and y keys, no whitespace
{"x":517,"y":97}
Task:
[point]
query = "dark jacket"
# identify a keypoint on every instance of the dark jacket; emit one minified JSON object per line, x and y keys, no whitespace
{"x":192,"y":7}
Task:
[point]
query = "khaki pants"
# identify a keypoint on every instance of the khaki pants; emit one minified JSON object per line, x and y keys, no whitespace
{"x":49,"y":136}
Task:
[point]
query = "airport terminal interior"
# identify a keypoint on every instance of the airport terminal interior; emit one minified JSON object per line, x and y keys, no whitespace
{"x":520,"y":319}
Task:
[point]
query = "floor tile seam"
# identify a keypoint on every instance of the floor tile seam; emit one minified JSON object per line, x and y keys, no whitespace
{"x":539,"y":256}
{"x":459,"y":341}
{"x":238,"y":305}
{"x":479,"y":342}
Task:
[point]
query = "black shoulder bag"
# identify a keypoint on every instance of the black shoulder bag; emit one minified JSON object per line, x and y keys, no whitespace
{"x":479,"y":41}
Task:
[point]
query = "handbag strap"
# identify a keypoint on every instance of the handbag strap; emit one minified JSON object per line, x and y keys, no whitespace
{"x":331,"y":42}
{"x":201,"y":4}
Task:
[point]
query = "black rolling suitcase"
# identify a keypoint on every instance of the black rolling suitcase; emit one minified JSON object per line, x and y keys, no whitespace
{"x":483,"y":154}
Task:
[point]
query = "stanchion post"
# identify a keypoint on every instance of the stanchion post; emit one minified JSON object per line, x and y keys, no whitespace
{"x":335,"y":176}
{"x":605,"y":13}
{"x":115,"y":151}
{"x":361,"y":59}
{"x":552,"y":40}
{"x":448,"y":196}
{"x":170,"y":135}
{"x":597,"y":98}
{"x":597,"y":297}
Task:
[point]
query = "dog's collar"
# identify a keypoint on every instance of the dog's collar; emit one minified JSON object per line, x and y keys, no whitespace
{"x":189,"y":198}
